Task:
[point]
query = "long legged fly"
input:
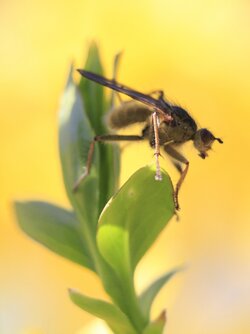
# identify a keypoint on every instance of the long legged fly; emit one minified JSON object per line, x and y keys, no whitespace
{"x":164,"y":125}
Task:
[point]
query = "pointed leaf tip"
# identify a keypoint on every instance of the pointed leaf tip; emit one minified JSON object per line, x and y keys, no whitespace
{"x":55,"y":228}
{"x":150,"y":293}
{"x":157,"y":326}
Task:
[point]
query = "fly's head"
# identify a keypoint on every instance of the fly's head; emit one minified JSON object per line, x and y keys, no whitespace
{"x":203,"y":140}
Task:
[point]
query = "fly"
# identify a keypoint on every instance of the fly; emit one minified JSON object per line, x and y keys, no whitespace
{"x":164,"y":125}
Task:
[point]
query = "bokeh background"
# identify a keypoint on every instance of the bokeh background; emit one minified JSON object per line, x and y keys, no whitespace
{"x":199,"y":53}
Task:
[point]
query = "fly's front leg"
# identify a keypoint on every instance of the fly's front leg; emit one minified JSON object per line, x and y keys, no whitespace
{"x":158,"y":176}
{"x":180,"y":158}
{"x":88,"y":166}
{"x":102,"y":138}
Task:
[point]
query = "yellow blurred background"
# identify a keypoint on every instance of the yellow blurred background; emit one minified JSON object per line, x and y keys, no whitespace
{"x":199,"y":53}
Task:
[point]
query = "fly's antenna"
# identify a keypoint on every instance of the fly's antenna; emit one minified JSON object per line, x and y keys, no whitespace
{"x":219,"y":140}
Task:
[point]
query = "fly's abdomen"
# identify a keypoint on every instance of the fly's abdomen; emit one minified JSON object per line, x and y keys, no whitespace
{"x":128,"y":113}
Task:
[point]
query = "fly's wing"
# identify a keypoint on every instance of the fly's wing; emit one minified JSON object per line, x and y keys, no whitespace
{"x":159,"y":104}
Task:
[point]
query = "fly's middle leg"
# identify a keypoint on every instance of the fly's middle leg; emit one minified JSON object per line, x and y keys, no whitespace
{"x":180,"y":158}
{"x":102,"y":138}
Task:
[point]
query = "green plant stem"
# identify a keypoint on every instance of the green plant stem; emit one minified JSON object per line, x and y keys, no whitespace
{"x":89,"y":238}
{"x":134,"y":310}
{"x":129,"y":302}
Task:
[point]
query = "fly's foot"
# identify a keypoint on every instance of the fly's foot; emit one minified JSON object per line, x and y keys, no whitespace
{"x":158,"y":176}
{"x":79,"y":181}
{"x":176,"y":202}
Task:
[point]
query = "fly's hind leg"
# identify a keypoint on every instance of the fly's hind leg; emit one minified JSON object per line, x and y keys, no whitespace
{"x":102,"y":138}
{"x":181,"y":159}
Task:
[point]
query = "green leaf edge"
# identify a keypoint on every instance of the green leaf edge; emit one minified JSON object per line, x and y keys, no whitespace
{"x":113,"y":316}
{"x":63,"y":221}
{"x":148,"y":296}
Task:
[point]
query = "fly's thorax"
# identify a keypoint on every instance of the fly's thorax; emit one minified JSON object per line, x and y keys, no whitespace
{"x":179,"y":130}
{"x":128,"y":113}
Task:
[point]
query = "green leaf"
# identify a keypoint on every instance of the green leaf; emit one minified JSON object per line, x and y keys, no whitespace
{"x":133,"y":219}
{"x":113,"y":151}
{"x":115,"y":318}
{"x":128,"y":226}
{"x":92,"y":93}
{"x":55,"y":228}
{"x":115,"y":71}
{"x":75,"y":136}
{"x":156,"y":327}
{"x":96,"y":106}
{"x":148,"y":296}
{"x":110,"y":155}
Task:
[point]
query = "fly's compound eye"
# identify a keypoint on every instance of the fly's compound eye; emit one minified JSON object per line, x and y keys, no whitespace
{"x":206,"y":137}
{"x":203,"y":141}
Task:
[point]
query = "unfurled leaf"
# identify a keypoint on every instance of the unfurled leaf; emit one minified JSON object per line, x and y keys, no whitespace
{"x":133,"y":219}
{"x":75,"y":136}
{"x":96,"y":107}
{"x":128,"y":226}
{"x":55,"y":228}
{"x":115,"y":318}
{"x":92,"y":93}
{"x":115,"y":72}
